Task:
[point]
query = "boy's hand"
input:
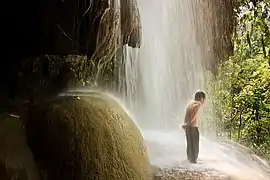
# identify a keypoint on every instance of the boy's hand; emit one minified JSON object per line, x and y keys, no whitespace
{"x":182,"y":126}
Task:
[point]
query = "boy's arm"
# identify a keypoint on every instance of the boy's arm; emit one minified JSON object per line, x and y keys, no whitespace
{"x":186,"y":116}
{"x":196,"y":106}
{"x":191,"y":112}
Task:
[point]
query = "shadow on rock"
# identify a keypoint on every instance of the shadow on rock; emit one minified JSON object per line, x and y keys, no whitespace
{"x":16,"y":159}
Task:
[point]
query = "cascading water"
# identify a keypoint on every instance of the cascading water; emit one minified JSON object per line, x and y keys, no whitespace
{"x":163,"y":75}
{"x":168,"y":68}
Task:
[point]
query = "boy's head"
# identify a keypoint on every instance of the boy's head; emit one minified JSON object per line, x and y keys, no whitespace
{"x":200,"y":96}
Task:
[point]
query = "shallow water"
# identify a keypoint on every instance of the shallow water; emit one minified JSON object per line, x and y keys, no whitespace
{"x":168,"y":150}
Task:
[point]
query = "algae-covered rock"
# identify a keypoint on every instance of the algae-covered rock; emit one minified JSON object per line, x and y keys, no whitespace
{"x":86,"y":138}
{"x":16,"y":159}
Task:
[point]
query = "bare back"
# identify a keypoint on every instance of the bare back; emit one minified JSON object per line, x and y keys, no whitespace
{"x":191,"y":116}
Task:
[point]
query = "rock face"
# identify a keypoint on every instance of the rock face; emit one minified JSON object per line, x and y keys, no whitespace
{"x":45,"y":77}
{"x":131,"y":23}
{"x":93,"y":28}
{"x":16,"y":159}
{"x":86,"y":138}
{"x":66,"y":26}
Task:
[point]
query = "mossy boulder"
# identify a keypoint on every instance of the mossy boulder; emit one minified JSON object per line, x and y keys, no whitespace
{"x":83,"y":138}
{"x":16,"y":159}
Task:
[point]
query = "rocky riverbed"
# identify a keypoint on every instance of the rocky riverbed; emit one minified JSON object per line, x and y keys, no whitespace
{"x":179,"y":173}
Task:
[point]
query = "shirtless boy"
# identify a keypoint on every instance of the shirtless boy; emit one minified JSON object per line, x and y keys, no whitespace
{"x":191,"y":126}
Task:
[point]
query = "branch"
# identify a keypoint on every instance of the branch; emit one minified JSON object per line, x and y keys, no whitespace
{"x":63,"y":32}
{"x":263,"y":47}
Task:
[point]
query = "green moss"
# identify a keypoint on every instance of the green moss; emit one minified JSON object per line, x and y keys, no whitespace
{"x":46,"y":76}
{"x":86,"y":138}
{"x":16,"y":159}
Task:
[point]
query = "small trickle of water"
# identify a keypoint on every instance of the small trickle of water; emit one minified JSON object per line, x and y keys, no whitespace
{"x":162,"y":76}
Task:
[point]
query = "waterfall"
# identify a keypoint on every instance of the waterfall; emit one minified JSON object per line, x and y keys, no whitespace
{"x":162,"y":76}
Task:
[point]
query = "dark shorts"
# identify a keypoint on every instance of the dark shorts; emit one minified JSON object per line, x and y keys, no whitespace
{"x":193,"y":136}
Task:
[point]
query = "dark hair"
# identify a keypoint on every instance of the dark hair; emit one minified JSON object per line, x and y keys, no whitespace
{"x":199,"y":95}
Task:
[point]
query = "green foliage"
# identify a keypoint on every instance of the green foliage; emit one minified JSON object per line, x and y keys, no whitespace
{"x":242,"y":101}
{"x":242,"y":85}
{"x":252,"y":36}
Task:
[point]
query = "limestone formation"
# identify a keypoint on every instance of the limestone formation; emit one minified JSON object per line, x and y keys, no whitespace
{"x":93,"y":28}
{"x":16,"y":159}
{"x":131,"y":23}
{"x":119,"y":24}
{"x":86,"y":138}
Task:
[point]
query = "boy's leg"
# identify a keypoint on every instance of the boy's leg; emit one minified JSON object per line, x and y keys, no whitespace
{"x":197,"y":143}
{"x":193,"y":145}
{"x":188,"y":138}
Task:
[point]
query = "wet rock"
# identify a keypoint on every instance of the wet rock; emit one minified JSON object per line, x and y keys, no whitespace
{"x":131,"y":23}
{"x":119,"y":24}
{"x":109,"y":36}
{"x":16,"y":159}
{"x":44,"y":77}
{"x":187,"y":174}
{"x":93,"y":28}
{"x":86,"y":138}
{"x":65,"y":26}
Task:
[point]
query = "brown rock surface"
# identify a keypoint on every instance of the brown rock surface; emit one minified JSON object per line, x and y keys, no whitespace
{"x":16,"y":159}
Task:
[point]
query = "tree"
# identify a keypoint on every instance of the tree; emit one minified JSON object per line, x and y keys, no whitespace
{"x":242,"y":85}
